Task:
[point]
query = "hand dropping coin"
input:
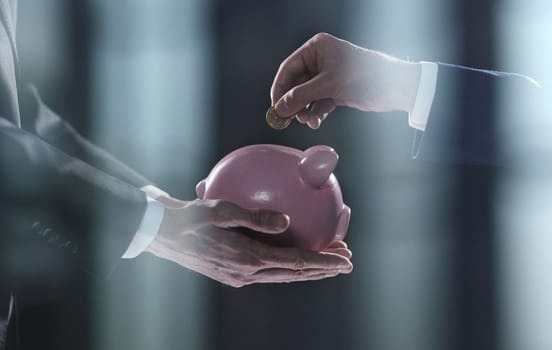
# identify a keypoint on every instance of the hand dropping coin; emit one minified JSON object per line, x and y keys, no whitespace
{"x":275,"y":121}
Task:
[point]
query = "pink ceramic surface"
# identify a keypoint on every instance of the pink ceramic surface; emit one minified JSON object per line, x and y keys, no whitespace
{"x":299,"y":184}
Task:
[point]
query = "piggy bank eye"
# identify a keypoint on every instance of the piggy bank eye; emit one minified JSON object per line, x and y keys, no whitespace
{"x":317,"y":165}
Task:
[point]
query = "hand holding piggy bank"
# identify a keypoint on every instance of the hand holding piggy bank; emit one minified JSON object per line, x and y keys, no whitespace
{"x":299,"y":184}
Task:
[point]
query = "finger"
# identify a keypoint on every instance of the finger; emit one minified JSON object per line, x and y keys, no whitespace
{"x":320,"y":108}
{"x":344,"y":252}
{"x":319,"y":111}
{"x":298,"y":97}
{"x":278,"y":275}
{"x":227,"y":214}
{"x":338,"y":244}
{"x":296,"y":259}
{"x":303,"y":116}
{"x":322,"y":276}
{"x":294,"y":68}
{"x":314,"y":122}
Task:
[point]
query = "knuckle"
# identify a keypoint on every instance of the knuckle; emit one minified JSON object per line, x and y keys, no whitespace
{"x":320,"y":37}
{"x":236,"y":284}
{"x":271,"y":220}
{"x":255,"y":217}
{"x":299,"y":264}
{"x":239,"y":280}
{"x":295,"y":93}
{"x":260,"y":218}
{"x":239,"y":283}
{"x":296,"y":97}
{"x":230,"y":279}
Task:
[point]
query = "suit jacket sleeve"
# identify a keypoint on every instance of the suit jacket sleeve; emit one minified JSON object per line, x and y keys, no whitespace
{"x":459,"y":128}
{"x":48,"y":198}
{"x":39,"y":119}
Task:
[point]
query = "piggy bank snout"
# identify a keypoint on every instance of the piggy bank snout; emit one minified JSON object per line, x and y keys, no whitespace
{"x":317,"y":165}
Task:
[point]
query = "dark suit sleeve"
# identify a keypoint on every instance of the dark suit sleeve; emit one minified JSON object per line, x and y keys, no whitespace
{"x":54,"y":208}
{"x":37,"y":118}
{"x":459,"y":128}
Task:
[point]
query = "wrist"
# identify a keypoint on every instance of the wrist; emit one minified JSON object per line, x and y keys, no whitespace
{"x":168,"y":225}
{"x":147,"y":229}
{"x":154,"y":192}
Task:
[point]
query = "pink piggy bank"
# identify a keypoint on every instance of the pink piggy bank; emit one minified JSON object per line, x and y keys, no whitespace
{"x":299,"y":184}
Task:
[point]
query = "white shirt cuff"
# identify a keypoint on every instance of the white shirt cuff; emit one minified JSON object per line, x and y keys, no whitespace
{"x":419,"y":116}
{"x":154,"y":192}
{"x":151,"y":221}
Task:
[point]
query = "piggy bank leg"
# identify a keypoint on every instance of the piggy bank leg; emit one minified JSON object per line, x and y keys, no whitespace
{"x":200,"y":189}
{"x":343,"y":223}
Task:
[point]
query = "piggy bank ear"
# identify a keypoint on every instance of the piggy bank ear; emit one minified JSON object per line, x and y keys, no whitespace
{"x":317,"y":165}
{"x":200,"y":189}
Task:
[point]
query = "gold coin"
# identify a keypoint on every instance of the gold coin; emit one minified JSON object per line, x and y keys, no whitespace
{"x":275,"y":121}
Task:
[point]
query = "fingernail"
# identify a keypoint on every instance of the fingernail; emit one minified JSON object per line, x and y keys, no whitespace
{"x":314,"y":122}
{"x":302,"y":118}
{"x":281,"y":221}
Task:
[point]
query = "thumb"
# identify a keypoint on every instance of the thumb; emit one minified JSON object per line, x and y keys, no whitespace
{"x":260,"y":220}
{"x":296,"y":99}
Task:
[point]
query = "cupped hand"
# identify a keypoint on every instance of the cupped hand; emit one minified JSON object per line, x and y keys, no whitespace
{"x":327,"y":72}
{"x":199,"y":235}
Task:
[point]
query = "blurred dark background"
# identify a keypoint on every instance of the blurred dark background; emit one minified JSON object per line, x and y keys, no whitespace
{"x":446,"y":256}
